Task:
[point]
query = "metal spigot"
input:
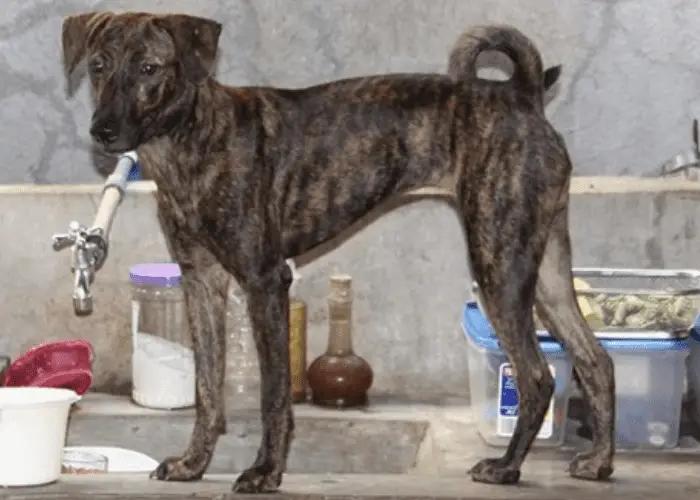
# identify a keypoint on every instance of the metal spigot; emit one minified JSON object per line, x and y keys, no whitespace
{"x":686,"y":163}
{"x":89,"y":246}
{"x":89,"y":251}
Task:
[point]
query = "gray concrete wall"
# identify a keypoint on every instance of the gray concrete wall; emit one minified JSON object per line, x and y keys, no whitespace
{"x":409,"y":266}
{"x":628,"y":93}
{"x":626,"y":100}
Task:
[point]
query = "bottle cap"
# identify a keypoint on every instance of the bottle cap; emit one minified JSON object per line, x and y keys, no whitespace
{"x":341,"y":282}
{"x":165,"y":274}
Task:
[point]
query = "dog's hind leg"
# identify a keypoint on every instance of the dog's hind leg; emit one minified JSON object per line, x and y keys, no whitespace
{"x":268,"y":304}
{"x":559,"y":312}
{"x":506,"y":247}
{"x":205,"y":285}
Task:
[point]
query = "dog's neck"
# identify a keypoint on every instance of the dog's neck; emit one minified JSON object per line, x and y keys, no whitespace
{"x":180,"y":156}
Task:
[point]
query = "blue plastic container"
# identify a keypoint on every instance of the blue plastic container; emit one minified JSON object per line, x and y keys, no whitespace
{"x":649,"y":381}
{"x":492,"y":388}
{"x":649,"y":377}
{"x":694,"y":371}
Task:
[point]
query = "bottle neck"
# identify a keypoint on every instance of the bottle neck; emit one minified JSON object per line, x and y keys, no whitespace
{"x":339,"y":327}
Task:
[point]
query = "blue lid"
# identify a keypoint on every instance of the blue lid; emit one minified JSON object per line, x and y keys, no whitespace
{"x":645,"y":344}
{"x":134,"y":173}
{"x":478,"y":329}
{"x":695,"y":331}
{"x":155,"y":274}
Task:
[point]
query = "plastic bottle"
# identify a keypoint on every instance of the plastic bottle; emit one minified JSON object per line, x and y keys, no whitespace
{"x":242,"y":368}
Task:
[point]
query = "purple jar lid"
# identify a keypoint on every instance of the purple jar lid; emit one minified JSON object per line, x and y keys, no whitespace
{"x":155,"y":274}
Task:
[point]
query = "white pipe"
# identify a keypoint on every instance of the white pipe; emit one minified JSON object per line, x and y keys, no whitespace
{"x":113,"y":193}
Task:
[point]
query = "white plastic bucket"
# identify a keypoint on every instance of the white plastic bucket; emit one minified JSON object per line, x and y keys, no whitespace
{"x":33,"y":425}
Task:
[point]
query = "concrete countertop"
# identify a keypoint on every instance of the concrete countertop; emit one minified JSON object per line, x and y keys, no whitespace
{"x":541,"y":482}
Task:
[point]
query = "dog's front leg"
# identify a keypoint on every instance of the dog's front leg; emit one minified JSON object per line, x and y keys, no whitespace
{"x":268,"y":306}
{"x":205,"y":285}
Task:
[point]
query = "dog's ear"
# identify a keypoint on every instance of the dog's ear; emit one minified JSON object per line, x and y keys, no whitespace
{"x":196,"y":41}
{"x":75,"y":35}
{"x":551,"y":75}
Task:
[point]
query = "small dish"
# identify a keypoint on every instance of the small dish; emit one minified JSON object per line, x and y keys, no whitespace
{"x":77,"y":461}
{"x":119,"y":459}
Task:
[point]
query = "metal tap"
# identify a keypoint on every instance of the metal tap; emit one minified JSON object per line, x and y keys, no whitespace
{"x":89,"y":246}
{"x":89,"y":251}
{"x":686,"y":163}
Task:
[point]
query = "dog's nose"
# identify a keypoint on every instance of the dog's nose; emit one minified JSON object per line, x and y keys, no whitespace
{"x":105,"y":131}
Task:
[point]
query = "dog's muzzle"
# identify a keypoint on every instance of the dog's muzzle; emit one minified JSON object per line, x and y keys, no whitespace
{"x":108,"y":134}
{"x":106,"y":131}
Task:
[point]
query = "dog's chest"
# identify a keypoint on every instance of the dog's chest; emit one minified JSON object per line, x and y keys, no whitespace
{"x":178,"y":196}
{"x":178,"y":211}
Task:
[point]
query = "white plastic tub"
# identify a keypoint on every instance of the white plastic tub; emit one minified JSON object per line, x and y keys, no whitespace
{"x":493,"y":392}
{"x":33,"y":424}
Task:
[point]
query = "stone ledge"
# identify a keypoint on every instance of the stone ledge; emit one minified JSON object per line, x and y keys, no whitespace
{"x":377,"y":441}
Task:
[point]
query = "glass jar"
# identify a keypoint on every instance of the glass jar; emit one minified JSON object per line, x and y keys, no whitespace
{"x":163,"y":370}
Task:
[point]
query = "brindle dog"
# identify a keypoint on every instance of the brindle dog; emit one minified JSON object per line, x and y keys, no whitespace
{"x":248,"y":177}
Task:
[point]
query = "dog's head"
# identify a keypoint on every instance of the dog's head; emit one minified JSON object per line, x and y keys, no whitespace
{"x":143,"y":69}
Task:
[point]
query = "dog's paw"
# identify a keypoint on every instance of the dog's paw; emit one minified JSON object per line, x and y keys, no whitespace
{"x":257,"y":479}
{"x":176,"y":469}
{"x":591,"y":466}
{"x":494,"y":471}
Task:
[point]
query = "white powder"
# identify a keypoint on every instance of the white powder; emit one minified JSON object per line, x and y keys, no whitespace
{"x":163,"y":373}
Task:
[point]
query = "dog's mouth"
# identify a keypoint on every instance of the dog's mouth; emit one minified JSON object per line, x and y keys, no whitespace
{"x":113,"y":148}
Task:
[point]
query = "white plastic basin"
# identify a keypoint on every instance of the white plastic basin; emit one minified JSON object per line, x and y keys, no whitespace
{"x":33,"y":422}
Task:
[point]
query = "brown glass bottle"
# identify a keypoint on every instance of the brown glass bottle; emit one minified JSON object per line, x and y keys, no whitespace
{"x":340,"y":378}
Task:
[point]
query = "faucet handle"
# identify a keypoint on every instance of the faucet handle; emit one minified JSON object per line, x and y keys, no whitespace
{"x":65,"y":240}
{"x":62,"y":241}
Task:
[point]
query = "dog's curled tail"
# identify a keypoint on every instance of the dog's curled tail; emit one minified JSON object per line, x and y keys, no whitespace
{"x":527,"y":62}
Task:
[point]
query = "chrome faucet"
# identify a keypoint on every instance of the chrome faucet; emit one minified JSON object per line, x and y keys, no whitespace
{"x":89,"y":246}
{"x":686,"y":163}
{"x":88,"y":254}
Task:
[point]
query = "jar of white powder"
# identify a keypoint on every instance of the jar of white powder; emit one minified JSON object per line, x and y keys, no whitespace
{"x":163,"y":361}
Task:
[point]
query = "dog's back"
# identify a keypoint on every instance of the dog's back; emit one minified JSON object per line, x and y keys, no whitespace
{"x":376,"y":137}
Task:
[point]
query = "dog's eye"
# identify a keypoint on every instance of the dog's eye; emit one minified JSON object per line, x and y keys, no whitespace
{"x":96,"y":66}
{"x":148,"y":69}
